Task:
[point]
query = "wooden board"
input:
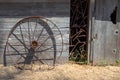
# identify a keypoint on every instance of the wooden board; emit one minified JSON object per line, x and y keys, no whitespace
{"x":34,"y":9}
{"x":104,"y":39}
{"x":26,"y":1}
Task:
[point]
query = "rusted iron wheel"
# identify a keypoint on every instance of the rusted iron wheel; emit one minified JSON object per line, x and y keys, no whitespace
{"x":33,"y":40}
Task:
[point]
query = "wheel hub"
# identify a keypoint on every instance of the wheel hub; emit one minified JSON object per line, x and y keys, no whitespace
{"x":34,"y":44}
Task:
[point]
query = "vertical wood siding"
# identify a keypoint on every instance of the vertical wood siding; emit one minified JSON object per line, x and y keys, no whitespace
{"x":105,"y":41}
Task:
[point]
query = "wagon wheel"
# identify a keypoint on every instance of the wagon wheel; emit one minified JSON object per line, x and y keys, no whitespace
{"x":33,"y":40}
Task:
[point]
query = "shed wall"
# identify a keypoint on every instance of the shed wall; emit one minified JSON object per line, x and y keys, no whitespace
{"x":11,"y":13}
{"x":104,"y":32}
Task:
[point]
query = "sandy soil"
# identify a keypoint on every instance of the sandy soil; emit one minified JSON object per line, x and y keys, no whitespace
{"x":62,"y":72}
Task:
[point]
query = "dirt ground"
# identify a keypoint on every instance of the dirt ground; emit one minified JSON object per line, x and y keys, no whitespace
{"x":67,"y":71}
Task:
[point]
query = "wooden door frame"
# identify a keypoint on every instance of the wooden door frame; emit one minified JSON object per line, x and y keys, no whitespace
{"x":91,"y":24}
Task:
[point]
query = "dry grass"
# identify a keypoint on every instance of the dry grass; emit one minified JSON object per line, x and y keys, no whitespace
{"x":62,"y":72}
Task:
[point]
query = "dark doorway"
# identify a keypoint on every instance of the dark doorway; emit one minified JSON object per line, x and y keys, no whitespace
{"x":79,"y":14}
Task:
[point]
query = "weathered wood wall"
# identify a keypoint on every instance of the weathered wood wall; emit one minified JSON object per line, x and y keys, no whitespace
{"x":23,"y":1}
{"x":57,"y":11}
{"x":104,"y":40}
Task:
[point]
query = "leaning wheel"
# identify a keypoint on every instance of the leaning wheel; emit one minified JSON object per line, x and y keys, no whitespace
{"x":33,"y":40}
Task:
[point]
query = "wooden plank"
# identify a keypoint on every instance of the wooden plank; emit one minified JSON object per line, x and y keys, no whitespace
{"x":96,"y":36}
{"x":60,"y":22}
{"x":91,"y":19}
{"x":118,"y":28}
{"x":110,"y":37}
{"x":24,"y":1}
{"x":103,"y":33}
{"x":32,"y":9}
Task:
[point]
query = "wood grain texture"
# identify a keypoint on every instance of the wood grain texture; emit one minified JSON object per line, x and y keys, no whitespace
{"x":104,"y":40}
{"x":118,"y":28}
{"x":91,"y":24}
{"x":23,"y":1}
{"x":34,"y":9}
{"x":56,"y":12}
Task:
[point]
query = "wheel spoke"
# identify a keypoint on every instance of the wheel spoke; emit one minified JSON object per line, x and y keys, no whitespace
{"x":45,"y":49}
{"x":40,"y":34}
{"x":22,"y":37}
{"x":38,"y":59}
{"x":35,"y":28}
{"x":43,"y":30}
{"x":20,"y":41}
{"x":43,"y":42}
{"x":25,"y":30}
{"x":16,"y":50}
{"x":29,"y":32}
{"x":19,"y":59}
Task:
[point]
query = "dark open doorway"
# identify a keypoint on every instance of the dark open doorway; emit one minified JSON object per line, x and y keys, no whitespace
{"x":79,"y":17}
